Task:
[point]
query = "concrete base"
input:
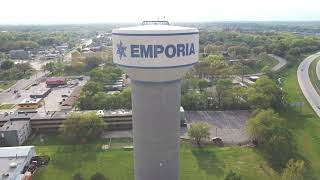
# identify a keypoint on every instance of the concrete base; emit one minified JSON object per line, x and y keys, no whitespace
{"x":156,"y":124}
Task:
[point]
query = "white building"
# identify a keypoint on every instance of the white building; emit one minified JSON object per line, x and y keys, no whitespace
{"x":13,"y":160}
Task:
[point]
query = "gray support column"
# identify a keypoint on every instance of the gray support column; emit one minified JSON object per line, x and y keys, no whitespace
{"x":156,"y":127}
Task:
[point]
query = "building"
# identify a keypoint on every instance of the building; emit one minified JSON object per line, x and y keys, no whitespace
{"x":14,"y":133}
{"x":30,"y":103}
{"x":253,"y":78}
{"x":20,"y":54}
{"x":42,"y":93}
{"x":71,"y":100}
{"x":50,"y":121}
{"x":13,"y":160}
{"x":115,"y":87}
{"x":56,"y":81}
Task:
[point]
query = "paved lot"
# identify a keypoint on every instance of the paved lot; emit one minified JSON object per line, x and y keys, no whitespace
{"x":228,"y":125}
{"x":51,"y":102}
{"x":9,"y":97}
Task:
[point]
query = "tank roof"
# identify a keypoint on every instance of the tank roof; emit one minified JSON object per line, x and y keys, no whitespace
{"x":154,"y":29}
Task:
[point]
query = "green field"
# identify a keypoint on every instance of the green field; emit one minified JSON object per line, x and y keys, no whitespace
{"x":6,"y":85}
{"x":6,"y":106}
{"x":207,"y":163}
{"x":304,"y":124}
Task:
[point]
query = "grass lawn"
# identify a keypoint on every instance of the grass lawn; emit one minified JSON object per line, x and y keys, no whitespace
{"x":6,"y":85}
{"x":313,"y":75}
{"x":304,"y":124}
{"x":6,"y":106}
{"x":207,"y":163}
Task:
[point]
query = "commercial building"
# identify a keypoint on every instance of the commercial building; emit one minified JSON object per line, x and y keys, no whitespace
{"x":13,"y":160}
{"x":30,"y":103}
{"x":20,"y":54}
{"x":71,"y":100}
{"x":41,"y":93}
{"x":56,"y":81}
{"x":14,"y":133}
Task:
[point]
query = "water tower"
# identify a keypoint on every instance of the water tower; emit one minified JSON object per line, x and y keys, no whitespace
{"x":156,"y":56}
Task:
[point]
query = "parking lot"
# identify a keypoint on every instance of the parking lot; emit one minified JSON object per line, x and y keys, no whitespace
{"x":52,"y":101}
{"x":228,"y":125}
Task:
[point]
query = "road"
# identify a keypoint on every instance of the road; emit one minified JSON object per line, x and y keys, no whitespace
{"x":282,"y":62}
{"x":8,"y":95}
{"x":67,"y":57}
{"x":305,"y":83}
{"x":318,"y":70}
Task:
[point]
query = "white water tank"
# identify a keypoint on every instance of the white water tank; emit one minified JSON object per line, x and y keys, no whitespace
{"x":156,"y":57}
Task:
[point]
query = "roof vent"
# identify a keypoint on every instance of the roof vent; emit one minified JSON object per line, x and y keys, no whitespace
{"x":13,"y":165}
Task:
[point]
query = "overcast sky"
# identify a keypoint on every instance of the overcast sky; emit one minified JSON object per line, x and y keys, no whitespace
{"x":104,"y":11}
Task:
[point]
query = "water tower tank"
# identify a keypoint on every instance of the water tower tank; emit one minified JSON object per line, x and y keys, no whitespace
{"x":156,"y":57}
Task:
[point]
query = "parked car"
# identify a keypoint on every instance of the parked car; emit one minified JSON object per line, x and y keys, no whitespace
{"x":217,"y":141}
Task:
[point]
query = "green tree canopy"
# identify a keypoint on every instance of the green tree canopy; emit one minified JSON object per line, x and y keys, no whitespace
{"x":274,"y":139}
{"x":294,"y":170}
{"x":79,"y":126}
{"x":264,"y":94}
{"x":98,"y":176}
{"x":232,"y":176}
{"x":7,"y":64}
{"x":199,"y":131}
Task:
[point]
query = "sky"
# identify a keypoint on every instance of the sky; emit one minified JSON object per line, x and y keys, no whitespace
{"x":135,"y":11}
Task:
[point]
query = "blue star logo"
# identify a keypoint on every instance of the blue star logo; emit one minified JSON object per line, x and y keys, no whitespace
{"x":121,"y":50}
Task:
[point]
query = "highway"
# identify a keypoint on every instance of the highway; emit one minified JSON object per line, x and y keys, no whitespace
{"x":318,"y":70}
{"x":305,"y":83}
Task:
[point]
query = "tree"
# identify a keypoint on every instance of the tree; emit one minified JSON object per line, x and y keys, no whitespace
{"x":268,"y":129}
{"x":193,"y":100}
{"x":294,"y":170}
{"x":7,"y":64}
{"x":264,"y":94}
{"x":223,"y":88}
{"x":202,"y":84}
{"x":49,"y":67}
{"x":77,"y":176}
{"x":240,"y":70}
{"x":93,"y":61}
{"x":91,"y":88}
{"x":232,"y":176}
{"x":98,"y":176}
{"x":24,"y":67}
{"x":199,"y":131}
{"x":80,"y":126}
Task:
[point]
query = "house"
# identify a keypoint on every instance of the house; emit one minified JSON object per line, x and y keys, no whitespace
{"x":56,"y":81}
{"x":20,"y":54}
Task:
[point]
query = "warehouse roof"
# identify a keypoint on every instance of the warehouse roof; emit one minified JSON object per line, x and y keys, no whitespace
{"x":13,"y":125}
{"x":17,"y":151}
